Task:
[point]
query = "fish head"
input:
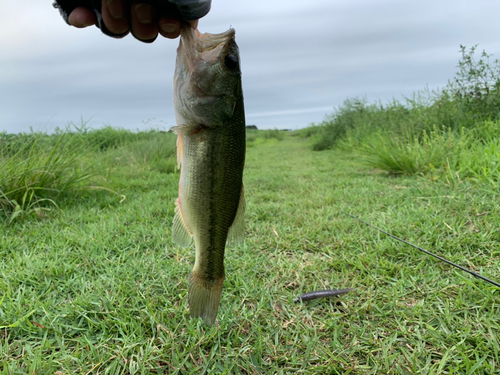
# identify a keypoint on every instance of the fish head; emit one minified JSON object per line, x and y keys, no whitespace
{"x":207,"y":81}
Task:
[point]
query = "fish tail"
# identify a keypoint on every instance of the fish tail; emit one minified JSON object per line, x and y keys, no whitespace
{"x":204,"y":297}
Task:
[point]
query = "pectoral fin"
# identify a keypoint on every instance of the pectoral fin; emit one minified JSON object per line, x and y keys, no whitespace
{"x":190,"y":128}
{"x":184,"y":129}
{"x":237,"y":230}
{"x":181,"y":234}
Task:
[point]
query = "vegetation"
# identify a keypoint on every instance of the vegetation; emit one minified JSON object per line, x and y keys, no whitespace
{"x":97,"y":286}
{"x":38,"y":169}
{"x":91,"y":283}
{"x":255,"y":137}
{"x":451,"y":134}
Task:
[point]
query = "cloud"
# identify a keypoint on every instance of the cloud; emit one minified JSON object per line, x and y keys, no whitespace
{"x":299,"y":59}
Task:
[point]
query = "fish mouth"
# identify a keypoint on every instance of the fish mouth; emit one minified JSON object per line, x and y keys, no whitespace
{"x":197,"y":50}
{"x":204,"y":42}
{"x":195,"y":46}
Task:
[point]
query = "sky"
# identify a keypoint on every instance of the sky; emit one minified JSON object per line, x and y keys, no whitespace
{"x":300,"y":60}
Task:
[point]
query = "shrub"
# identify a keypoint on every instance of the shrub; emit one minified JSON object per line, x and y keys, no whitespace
{"x":476,"y":86}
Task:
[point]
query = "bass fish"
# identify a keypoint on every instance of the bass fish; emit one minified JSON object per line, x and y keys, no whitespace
{"x":208,"y":101}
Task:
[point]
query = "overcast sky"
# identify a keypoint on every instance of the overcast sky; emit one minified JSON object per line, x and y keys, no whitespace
{"x":300,"y":59}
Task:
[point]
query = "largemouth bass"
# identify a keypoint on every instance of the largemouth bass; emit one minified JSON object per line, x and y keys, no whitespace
{"x":208,"y":102}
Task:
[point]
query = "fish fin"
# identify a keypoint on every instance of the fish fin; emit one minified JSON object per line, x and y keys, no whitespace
{"x":204,"y":298}
{"x":181,"y":234}
{"x":180,"y":150}
{"x":236,"y":232}
{"x":185,"y":129}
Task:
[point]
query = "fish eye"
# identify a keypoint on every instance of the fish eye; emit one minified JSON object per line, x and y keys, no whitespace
{"x":231,"y":62}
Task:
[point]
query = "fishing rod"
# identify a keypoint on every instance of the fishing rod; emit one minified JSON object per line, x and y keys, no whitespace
{"x":425,"y":251}
{"x":336,"y":292}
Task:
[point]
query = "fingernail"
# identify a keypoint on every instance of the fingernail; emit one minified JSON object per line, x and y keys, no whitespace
{"x":144,"y":13}
{"x":169,"y":27}
{"x":115,"y":8}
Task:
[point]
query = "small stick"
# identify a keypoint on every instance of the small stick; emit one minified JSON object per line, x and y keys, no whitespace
{"x":321,"y":294}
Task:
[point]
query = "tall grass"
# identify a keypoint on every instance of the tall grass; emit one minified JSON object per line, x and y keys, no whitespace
{"x":479,"y":160}
{"x":36,"y":169}
{"x":411,"y":155}
{"x":449,"y":133}
{"x":356,"y":120}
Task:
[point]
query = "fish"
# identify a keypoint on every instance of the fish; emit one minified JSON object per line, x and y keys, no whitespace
{"x":210,"y":128}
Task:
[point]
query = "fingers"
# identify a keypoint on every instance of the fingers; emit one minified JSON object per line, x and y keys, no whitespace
{"x":169,"y":27}
{"x":115,"y":16}
{"x":141,"y":19}
{"x":82,"y":17}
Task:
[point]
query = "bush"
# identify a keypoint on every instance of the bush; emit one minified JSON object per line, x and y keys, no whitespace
{"x":476,"y":86}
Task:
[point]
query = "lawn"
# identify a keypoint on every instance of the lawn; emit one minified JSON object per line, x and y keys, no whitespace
{"x":96,"y":286}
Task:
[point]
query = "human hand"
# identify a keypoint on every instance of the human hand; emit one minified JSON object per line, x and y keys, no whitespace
{"x":143,"y":20}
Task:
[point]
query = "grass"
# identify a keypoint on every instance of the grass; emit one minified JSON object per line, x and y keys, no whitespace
{"x":449,"y":134}
{"x":256,"y":137}
{"x":438,"y":149}
{"x":419,"y":139}
{"x":97,"y":287}
{"x":37,"y":169}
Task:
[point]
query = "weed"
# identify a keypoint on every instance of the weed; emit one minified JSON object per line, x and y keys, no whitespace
{"x":477,"y":85}
{"x":409,"y":155}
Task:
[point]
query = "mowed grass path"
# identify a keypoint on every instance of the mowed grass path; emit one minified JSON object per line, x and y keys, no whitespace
{"x":98,"y":287}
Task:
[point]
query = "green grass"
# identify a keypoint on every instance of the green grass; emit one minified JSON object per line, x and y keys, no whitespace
{"x":97,"y":286}
{"x":38,"y":170}
{"x":439,"y":149}
{"x":450,"y":134}
{"x":256,"y":137}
